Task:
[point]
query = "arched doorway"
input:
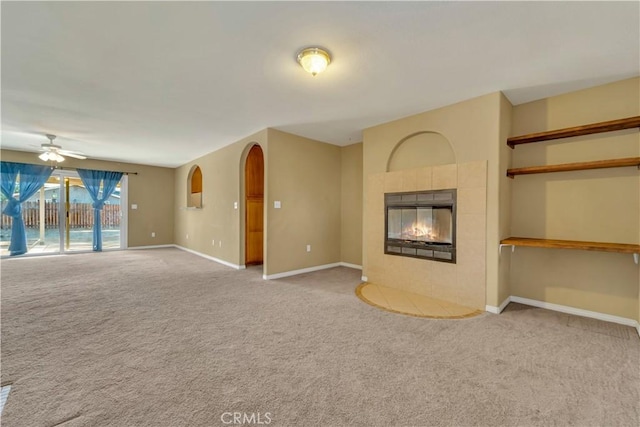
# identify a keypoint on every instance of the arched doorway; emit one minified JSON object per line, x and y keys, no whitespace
{"x":254,"y":206}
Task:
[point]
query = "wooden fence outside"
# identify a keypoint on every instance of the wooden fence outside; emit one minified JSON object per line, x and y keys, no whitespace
{"x":80,"y":215}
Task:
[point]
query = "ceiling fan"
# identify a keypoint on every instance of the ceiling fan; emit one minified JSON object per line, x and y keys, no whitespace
{"x":54,"y":153}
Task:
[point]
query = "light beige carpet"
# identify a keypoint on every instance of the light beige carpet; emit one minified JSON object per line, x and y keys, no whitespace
{"x":165,"y":338}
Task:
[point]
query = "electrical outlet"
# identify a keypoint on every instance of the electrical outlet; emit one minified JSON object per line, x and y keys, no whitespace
{"x":235,"y":205}
{"x":308,"y":248}
{"x":153,"y":234}
{"x":220,"y":244}
{"x":277,"y":204}
{"x":213,"y":242}
{"x":187,"y":236}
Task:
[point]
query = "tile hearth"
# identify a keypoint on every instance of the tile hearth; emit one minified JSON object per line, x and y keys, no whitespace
{"x":408,"y":303}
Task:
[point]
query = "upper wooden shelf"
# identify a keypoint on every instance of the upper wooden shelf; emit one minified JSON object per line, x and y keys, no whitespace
{"x":612,"y":125}
{"x":566,"y":167}
{"x":623,"y":248}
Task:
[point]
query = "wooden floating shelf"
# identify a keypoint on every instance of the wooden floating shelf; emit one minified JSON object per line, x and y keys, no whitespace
{"x":623,"y":248}
{"x":610,"y":126}
{"x":566,"y":167}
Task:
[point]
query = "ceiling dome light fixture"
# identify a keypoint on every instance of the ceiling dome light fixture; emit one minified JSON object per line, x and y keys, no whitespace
{"x":314,"y":60}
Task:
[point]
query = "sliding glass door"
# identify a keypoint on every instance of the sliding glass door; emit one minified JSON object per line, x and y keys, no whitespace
{"x":40,"y":214}
{"x":59,"y":217}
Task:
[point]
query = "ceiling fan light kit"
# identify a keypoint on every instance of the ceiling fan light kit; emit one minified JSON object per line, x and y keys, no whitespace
{"x":50,"y":156}
{"x":53,"y":153}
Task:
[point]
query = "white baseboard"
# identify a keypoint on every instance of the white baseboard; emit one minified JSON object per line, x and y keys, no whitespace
{"x":301,"y":271}
{"x":152,"y":247}
{"x":209,"y":257}
{"x":577,"y":312}
{"x":354,"y":266}
{"x":497,"y":310}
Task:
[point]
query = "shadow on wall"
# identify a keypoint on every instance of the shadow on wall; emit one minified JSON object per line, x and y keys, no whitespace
{"x":419,"y":150}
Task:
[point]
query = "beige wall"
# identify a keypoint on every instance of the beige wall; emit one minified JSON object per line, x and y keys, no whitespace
{"x":222,"y":186}
{"x":351,"y":205}
{"x":597,"y":205}
{"x":472,"y":128}
{"x":503,"y":290}
{"x":304,"y":175}
{"x":151,"y":189}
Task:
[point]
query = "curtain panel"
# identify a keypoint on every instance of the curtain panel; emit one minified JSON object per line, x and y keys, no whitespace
{"x":93,"y":180}
{"x":32,"y":178}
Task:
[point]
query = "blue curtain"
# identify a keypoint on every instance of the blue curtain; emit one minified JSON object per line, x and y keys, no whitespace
{"x":32,"y":178}
{"x":92,"y":180}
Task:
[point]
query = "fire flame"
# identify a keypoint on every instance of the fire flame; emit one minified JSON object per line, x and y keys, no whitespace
{"x":418,"y":231}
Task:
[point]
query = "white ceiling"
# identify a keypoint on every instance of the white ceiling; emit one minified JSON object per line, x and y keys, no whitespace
{"x":162,"y":83}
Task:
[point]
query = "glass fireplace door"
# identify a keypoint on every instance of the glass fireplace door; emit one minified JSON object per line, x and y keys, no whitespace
{"x":420,"y":224}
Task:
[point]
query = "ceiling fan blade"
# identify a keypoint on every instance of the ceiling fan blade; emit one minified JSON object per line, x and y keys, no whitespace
{"x":70,"y":154}
{"x":63,"y":151}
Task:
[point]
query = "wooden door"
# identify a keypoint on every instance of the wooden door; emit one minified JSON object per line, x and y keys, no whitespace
{"x":254,"y":206}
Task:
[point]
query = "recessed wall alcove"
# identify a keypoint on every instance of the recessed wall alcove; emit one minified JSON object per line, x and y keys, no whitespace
{"x":421,"y":149}
{"x":194,"y":187}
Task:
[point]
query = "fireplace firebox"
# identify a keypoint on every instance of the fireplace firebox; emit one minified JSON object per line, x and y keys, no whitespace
{"x":421,"y":224}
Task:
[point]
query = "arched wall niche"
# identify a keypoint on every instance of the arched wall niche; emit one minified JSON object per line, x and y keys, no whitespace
{"x":194,"y":187}
{"x":421,"y":149}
